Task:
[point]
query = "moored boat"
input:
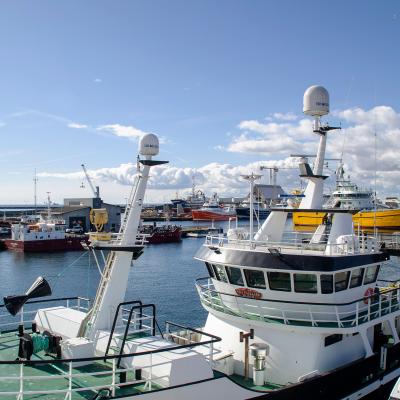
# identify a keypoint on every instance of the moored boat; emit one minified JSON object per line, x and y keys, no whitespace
{"x":46,"y":236}
{"x":213,"y":211}
{"x":348,"y":195}
{"x":162,"y":233}
{"x":260,"y":212}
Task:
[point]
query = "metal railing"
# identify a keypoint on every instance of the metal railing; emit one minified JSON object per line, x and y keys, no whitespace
{"x":384,"y":301}
{"x":189,"y":336}
{"x":25,"y":315}
{"x":68,"y":379}
{"x":115,"y":240}
{"x":302,"y":243}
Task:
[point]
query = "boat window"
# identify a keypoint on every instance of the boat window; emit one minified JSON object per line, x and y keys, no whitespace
{"x":305,"y":283}
{"x":341,"y":281}
{"x":371,"y":274}
{"x":235,"y":276}
{"x":326,"y":284}
{"x":279,"y":281}
{"x":255,"y":278}
{"x":219,"y":272}
{"x":210,"y":270}
{"x":332,"y":339}
{"x":356,"y":277}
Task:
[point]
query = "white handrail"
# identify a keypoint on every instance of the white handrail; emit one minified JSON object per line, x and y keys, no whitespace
{"x":366,"y":244}
{"x":316,"y":315}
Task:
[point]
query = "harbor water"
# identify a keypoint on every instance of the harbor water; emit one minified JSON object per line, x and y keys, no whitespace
{"x":165,"y":275}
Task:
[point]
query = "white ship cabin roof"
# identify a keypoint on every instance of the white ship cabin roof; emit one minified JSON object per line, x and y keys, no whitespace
{"x":303,"y":268}
{"x":304,"y":290}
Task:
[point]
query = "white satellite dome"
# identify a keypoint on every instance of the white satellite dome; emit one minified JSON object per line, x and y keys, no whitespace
{"x":149,"y":145}
{"x":316,"y":101}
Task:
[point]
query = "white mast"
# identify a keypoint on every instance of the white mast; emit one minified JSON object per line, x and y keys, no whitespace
{"x":316,"y":104}
{"x":48,"y":206}
{"x":112,"y":287}
{"x":35,"y":179}
{"x":251,"y":178}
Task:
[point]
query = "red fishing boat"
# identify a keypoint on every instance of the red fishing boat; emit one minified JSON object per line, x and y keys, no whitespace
{"x":213,"y":211}
{"x":162,"y":234}
{"x":46,"y":236}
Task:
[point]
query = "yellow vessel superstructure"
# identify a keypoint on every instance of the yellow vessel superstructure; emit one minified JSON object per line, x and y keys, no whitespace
{"x":351,"y":197}
{"x":385,"y":219}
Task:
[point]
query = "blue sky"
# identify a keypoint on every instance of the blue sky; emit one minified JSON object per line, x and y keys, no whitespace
{"x":75,"y":76}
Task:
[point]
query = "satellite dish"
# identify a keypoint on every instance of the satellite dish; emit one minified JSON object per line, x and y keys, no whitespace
{"x":316,"y":101}
{"x":149,"y":145}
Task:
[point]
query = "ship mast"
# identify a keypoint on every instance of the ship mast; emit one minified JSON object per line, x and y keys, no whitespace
{"x":35,"y":179}
{"x":48,"y":206}
{"x":315,"y":104}
{"x":251,"y":178}
{"x":113,"y":284}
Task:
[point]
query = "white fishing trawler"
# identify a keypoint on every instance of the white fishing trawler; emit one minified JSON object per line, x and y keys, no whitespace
{"x":289,"y":317}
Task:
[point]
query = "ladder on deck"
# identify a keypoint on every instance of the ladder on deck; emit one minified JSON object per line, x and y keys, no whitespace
{"x":105,"y":278}
{"x":128,"y":208}
{"x":108,"y":267}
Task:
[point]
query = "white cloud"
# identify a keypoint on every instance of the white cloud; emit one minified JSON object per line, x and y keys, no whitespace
{"x":277,"y":139}
{"x":222,"y":178}
{"x":360,"y":126}
{"x":285,"y":116}
{"x":97,"y":80}
{"x":122,"y":130}
{"x":272,"y":138}
{"x":75,"y":125}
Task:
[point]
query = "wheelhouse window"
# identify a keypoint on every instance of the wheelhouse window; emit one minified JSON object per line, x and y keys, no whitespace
{"x":326,"y":284}
{"x":356,"y":277}
{"x":235,"y":276}
{"x":219,"y":272}
{"x":371,"y":274}
{"x":279,"y":281}
{"x":210,"y":270}
{"x":341,"y":281}
{"x":305,"y":283}
{"x":255,"y":278}
{"x":332,"y":339}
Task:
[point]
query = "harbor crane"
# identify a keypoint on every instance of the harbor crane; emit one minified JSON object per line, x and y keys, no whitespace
{"x":95,"y":189}
{"x":273,"y":172}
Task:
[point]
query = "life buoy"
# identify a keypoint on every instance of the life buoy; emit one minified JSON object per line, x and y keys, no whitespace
{"x":367,"y":295}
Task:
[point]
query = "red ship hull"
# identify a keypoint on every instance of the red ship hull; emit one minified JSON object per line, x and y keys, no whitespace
{"x":165,"y":236}
{"x":199,"y":215}
{"x":45,"y":246}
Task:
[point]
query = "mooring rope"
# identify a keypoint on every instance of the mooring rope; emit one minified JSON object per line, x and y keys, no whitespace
{"x":57,"y":277}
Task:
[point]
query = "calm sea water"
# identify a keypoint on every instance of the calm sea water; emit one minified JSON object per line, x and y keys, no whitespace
{"x":164,"y":275}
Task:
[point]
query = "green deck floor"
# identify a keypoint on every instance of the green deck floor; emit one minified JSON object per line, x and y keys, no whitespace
{"x":248,"y":384}
{"x":9,"y":351}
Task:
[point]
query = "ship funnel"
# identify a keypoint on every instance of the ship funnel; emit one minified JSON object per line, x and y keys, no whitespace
{"x":39,"y":288}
